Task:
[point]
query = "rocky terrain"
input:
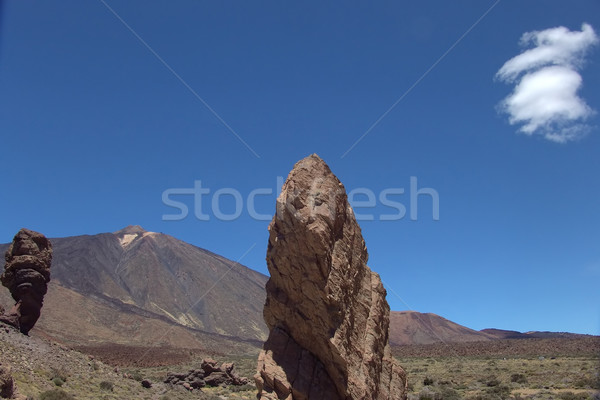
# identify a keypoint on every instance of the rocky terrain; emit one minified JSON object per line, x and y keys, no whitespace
{"x":38,"y":367}
{"x":210,"y":373}
{"x":326,"y":310}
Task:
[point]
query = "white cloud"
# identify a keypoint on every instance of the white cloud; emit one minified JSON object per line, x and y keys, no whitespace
{"x":545,"y":99}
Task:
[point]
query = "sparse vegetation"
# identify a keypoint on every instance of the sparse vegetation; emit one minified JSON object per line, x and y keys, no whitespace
{"x":106,"y":386}
{"x":518,"y":378}
{"x":56,"y":394}
{"x":573,"y":396}
{"x":58,"y":373}
{"x":137,"y":376}
{"x":483,"y":378}
{"x":242,"y":388}
{"x":58,"y":382}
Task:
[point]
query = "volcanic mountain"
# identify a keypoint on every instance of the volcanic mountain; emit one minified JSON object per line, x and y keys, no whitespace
{"x":140,"y":288}
{"x":147,"y":288}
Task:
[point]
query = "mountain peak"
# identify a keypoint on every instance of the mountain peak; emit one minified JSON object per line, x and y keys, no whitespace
{"x":130,"y":230}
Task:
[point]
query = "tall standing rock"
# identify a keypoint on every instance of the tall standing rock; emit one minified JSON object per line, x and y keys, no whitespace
{"x":26,"y":275}
{"x":326,"y":310}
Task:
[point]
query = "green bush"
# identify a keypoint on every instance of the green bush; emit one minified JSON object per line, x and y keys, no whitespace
{"x":56,"y":394}
{"x":58,"y":382}
{"x":500,"y":391}
{"x":241,"y":388}
{"x":492,"y":381}
{"x":58,"y":373}
{"x":447,"y":393}
{"x":105,"y":385}
{"x":518,"y":378}
{"x":137,"y":376}
{"x":428,"y":381}
{"x":587,"y":383}
{"x":572,"y":396}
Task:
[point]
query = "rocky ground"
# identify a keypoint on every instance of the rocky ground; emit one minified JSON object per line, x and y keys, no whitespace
{"x":545,"y":369}
{"x":39,"y":367}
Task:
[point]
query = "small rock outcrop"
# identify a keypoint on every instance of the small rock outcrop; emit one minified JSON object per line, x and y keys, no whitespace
{"x":146,"y":384}
{"x":326,"y":310}
{"x":26,"y":275}
{"x":210,"y":373}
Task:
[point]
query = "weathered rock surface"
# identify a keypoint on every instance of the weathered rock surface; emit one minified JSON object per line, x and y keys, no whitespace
{"x":210,"y":373}
{"x":326,"y":310}
{"x":26,"y":275}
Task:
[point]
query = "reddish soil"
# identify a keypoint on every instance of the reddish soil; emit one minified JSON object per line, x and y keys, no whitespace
{"x":137,"y":356}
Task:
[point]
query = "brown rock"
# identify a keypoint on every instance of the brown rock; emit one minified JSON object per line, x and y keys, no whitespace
{"x":6,"y":382}
{"x":326,"y":310}
{"x":209,"y":366}
{"x":216,"y":379}
{"x":26,"y":275}
{"x":210,"y":374}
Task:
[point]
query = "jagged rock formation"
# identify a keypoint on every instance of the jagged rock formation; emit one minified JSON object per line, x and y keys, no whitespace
{"x":209,"y":374}
{"x":26,"y":275}
{"x":326,"y":310}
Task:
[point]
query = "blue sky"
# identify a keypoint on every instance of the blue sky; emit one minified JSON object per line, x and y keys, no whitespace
{"x":95,"y":127}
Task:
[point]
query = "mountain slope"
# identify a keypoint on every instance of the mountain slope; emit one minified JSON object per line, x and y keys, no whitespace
{"x":411,"y":327}
{"x":415,"y":328}
{"x":151,"y":275}
{"x":134,"y":287}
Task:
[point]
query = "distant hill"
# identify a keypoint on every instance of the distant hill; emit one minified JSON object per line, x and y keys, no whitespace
{"x":147,"y":288}
{"x":415,"y":328}
{"x":411,"y":327}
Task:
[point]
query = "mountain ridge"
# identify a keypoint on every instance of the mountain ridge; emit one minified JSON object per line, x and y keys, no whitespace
{"x":416,"y":328}
{"x":122,"y":286}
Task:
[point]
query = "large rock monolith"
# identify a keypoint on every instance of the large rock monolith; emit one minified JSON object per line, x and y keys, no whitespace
{"x":26,"y":275}
{"x":326,"y":310}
